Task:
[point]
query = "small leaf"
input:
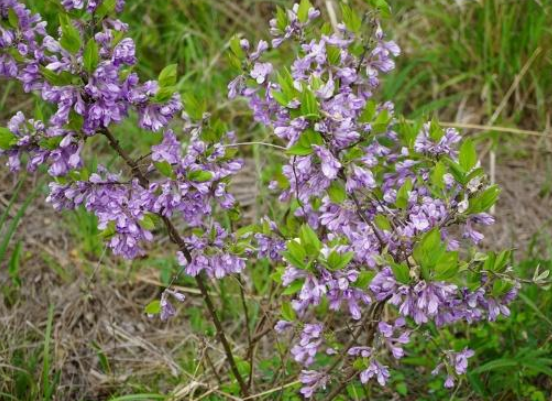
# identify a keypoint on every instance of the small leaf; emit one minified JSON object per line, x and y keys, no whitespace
{"x":147,"y":223}
{"x":401,"y":272}
{"x":435,"y":130}
{"x":71,"y":37}
{"x":200,"y":176}
{"x":382,"y":222}
{"x":351,"y":19}
{"x":281,"y":19}
{"x":13,"y":19}
{"x":337,"y":192}
{"x":364,"y":279}
{"x":403,"y":194}
{"x":164,"y":94}
{"x":310,"y":240}
{"x":437,"y":175}
{"x":167,"y":77}
{"x":369,"y":112}
{"x":105,"y":8}
{"x":287,"y":312}
{"x":294,"y":287}
{"x":64,"y":78}
{"x":468,"y":155}
{"x":303,"y":11}
{"x":236,"y":48}
{"x":309,"y":105}
{"x":153,"y":308}
{"x":165,"y":168}
{"x":6,"y":138}
{"x":91,"y":56}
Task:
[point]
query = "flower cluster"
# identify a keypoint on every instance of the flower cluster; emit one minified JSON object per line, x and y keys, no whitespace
{"x":85,"y":72}
{"x":384,"y":205}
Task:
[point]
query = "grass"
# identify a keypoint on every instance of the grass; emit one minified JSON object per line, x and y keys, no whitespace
{"x":475,"y":51}
{"x":461,"y":62}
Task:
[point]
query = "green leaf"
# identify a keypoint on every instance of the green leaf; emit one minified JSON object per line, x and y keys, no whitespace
{"x":364,"y":279}
{"x":105,"y":8}
{"x":447,"y":266}
{"x":153,"y":308}
{"x":165,"y":168}
{"x":369,"y":112}
{"x":382,"y":122}
{"x":281,"y":19}
{"x":408,"y":132}
{"x":109,"y":232}
{"x":501,"y":287}
{"x":334,"y":54}
{"x":429,"y":251}
{"x":13,"y":19}
{"x":309,"y":105}
{"x":168,"y":75}
{"x":200,"y":176}
{"x":295,"y":254}
{"x":484,"y":201}
{"x":303,"y":147}
{"x":164,"y":94}
{"x":310,"y":240}
{"x":468,"y":155}
{"x":382,"y":6}
{"x":7,"y":138}
{"x":64,"y":78}
{"x":435,"y":130}
{"x":147,"y":223}
{"x":345,"y":259}
{"x":91,"y":56}
{"x":351,"y":19}
{"x":71,"y":37}
{"x":339,"y":261}
{"x":287,"y":312}
{"x":382,"y":222}
{"x":194,"y":107}
{"x":294,"y":287}
{"x":236,"y":48}
{"x":402,"y":194}
{"x":437,"y":175}
{"x":401,"y":388}
{"x":337,"y":192}
{"x":401,"y":272}
{"x":303,"y":11}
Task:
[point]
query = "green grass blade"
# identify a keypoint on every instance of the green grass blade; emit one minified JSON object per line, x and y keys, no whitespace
{"x":46,"y":385}
{"x":532,"y":305}
{"x":4,"y":215}
{"x":15,"y":222}
{"x":139,"y":397}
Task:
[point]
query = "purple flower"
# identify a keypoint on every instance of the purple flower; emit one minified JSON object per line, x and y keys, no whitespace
{"x":261,"y":71}
{"x":377,"y":370}
{"x":312,"y":381}
{"x":311,"y":340}
{"x":330,"y":165}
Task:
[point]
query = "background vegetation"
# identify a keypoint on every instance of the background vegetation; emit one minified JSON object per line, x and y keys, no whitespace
{"x":71,"y":316}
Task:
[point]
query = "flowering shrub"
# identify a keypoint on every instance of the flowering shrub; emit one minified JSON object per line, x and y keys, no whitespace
{"x":378,"y":244}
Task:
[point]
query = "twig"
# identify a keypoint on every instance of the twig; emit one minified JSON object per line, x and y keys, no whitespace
{"x":179,"y":241}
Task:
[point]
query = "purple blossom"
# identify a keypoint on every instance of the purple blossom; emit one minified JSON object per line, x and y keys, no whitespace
{"x":312,"y":381}
{"x":311,"y":339}
{"x":375,"y":370}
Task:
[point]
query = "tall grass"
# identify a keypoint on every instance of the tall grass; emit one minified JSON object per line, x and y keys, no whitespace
{"x":476,"y":49}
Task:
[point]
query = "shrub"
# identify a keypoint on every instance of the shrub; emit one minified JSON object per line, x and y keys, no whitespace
{"x":378,"y":242}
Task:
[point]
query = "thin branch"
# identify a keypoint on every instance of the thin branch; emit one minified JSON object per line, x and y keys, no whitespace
{"x":179,"y":241}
